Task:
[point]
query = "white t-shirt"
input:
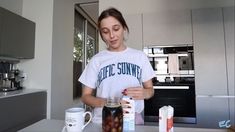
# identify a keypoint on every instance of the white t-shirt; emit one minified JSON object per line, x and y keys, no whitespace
{"x":111,"y":72}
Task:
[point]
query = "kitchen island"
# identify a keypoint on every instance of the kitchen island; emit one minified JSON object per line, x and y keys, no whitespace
{"x":57,"y":126}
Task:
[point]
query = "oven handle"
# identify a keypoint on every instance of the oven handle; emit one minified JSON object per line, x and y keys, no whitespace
{"x":170,"y":87}
{"x":215,"y":96}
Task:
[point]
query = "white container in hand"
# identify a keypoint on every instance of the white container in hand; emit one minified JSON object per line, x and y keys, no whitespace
{"x":129,"y":114}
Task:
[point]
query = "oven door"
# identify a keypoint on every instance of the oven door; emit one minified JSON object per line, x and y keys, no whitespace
{"x":181,"y":98}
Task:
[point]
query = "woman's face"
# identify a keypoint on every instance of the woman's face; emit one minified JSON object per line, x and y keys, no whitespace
{"x":112,"y":33}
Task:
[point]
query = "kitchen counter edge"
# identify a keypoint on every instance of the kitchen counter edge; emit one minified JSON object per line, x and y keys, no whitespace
{"x":20,"y":92}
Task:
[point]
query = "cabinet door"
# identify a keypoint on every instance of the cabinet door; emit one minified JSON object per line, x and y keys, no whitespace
{"x":167,"y":28}
{"x":134,"y":39}
{"x":25,"y":109}
{"x":232,"y":110}
{"x":211,"y":110}
{"x":1,"y":21}
{"x":27,"y":39}
{"x":18,"y":35}
{"x":209,"y":55}
{"x":10,"y":37}
{"x":229,"y":39}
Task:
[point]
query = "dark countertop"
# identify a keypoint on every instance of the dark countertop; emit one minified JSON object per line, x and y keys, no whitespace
{"x":19,"y":92}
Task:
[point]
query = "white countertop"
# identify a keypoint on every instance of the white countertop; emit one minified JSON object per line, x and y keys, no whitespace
{"x":19,"y":92}
{"x":57,"y":125}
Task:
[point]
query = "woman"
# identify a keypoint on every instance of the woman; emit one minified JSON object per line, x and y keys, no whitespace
{"x":117,"y":70}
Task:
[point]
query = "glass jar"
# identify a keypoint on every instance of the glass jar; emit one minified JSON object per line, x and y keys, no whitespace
{"x":112,"y":116}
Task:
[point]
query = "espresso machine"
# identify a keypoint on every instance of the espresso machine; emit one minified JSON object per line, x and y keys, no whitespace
{"x":10,"y":78}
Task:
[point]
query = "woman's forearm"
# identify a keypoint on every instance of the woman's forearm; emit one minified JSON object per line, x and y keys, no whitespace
{"x":148,"y":89}
{"x":93,"y":101}
{"x":148,"y":92}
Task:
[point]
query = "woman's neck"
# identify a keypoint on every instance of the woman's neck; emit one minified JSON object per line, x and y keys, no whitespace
{"x":121,"y":48}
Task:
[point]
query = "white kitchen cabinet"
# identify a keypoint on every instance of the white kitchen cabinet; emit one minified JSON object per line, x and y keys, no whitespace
{"x":229,"y":39}
{"x":211,"y":110}
{"x":134,"y":39}
{"x":170,"y":27}
{"x":213,"y":33}
{"x":232,"y":110}
{"x":209,"y":52}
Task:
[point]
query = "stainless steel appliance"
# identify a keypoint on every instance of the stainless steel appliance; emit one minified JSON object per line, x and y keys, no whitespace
{"x":174,"y":83}
{"x":180,"y":96}
{"x":10,"y":79}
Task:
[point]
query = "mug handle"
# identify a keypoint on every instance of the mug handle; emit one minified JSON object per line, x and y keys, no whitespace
{"x":84,"y":114}
{"x":64,"y":129}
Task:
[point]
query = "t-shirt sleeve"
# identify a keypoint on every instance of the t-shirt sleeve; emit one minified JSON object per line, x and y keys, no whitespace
{"x":147,"y":71}
{"x":89,"y":75}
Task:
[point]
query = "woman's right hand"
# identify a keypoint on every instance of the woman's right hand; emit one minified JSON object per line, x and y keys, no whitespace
{"x":89,"y":98}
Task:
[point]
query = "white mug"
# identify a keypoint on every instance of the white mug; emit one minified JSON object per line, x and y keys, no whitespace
{"x":74,"y":119}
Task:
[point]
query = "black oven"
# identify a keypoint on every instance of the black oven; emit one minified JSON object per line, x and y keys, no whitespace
{"x":180,"y":96}
{"x":174,"y":83}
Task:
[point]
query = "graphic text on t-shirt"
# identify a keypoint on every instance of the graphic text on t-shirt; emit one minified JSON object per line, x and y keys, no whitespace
{"x":121,"y":68}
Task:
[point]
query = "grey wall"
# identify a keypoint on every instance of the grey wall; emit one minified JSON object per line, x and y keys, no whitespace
{"x":62,"y":59}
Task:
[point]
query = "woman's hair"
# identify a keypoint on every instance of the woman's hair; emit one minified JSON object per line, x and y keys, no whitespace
{"x":114,"y":13}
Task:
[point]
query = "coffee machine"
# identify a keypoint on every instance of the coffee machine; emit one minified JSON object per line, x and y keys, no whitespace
{"x":10,"y":78}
